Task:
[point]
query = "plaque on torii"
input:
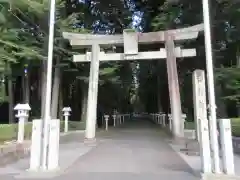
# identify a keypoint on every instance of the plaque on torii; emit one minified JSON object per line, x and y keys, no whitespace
{"x":130,"y":41}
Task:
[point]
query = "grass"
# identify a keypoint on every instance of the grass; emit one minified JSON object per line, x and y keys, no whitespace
{"x":8,"y":132}
{"x":235,"y":122}
{"x":129,"y":30}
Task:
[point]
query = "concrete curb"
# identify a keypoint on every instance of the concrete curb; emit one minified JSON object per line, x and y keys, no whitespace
{"x":71,"y":132}
{"x":10,"y":153}
{"x":219,"y":177}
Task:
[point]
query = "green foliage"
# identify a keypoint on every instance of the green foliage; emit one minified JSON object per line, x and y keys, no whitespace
{"x":167,"y":17}
{"x":8,"y":132}
{"x":230,"y":79}
{"x":130,"y":30}
{"x":235,"y":122}
{"x":189,"y":125}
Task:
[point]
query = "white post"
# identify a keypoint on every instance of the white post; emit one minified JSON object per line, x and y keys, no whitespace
{"x":196,"y":99}
{"x":211,"y":137}
{"x":210,"y":82}
{"x":114,"y":120}
{"x":66,"y":124}
{"x":123,"y":118}
{"x":158,"y":119}
{"x":21,"y":124}
{"x":164,"y":120}
{"x":22,"y":115}
{"x":66,"y":114}
{"x":170,"y":121}
{"x":106,"y":117}
{"x":227,"y":147}
{"x":35,"y":153}
{"x":92,"y":93}
{"x":184,"y":116}
{"x":53,"y":156}
{"x":200,"y":112}
{"x":205,"y":153}
{"x":119,"y":118}
{"x":48,"y":94}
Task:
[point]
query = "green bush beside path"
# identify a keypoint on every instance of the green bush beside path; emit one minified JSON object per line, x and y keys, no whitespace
{"x":234,"y":121}
{"x":8,"y":132}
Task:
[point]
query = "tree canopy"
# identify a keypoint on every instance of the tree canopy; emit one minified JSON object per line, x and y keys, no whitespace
{"x":123,"y":85}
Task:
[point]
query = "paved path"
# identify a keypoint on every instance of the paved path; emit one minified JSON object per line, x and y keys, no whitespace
{"x":137,"y":151}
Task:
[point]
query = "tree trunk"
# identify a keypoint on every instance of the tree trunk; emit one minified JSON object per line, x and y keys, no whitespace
{"x":55,"y":92}
{"x":84,"y":103}
{"x":159,"y":90}
{"x":39,"y":88}
{"x":10,"y":100}
{"x":43,"y":86}
{"x":221,"y":108}
{"x":60,"y":105}
{"x":238,"y":65}
{"x":27,"y":88}
{"x":23,"y":89}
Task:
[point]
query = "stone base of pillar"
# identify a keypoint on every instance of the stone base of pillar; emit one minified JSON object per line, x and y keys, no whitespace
{"x":219,"y":177}
{"x":90,"y":141}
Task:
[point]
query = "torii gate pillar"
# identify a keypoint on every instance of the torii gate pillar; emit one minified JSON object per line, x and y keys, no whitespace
{"x":92,"y":94}
{"x":173,"y":86}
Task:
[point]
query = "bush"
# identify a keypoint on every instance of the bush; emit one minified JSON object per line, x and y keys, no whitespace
{"x":235,"y":127}
{"x":73,"y":126}
{"x":189,"y":125}
{"x":235,"y":122}
{"x":9,"y":132}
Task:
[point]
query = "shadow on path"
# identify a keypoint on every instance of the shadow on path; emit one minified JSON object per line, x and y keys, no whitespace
{"x":136,"y":150}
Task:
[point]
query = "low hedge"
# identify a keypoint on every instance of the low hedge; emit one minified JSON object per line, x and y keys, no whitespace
{"x":235,"y":122}
{"x":9,"y":132}
{"x":235,"y":127}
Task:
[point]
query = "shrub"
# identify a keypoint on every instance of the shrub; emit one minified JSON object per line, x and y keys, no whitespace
{"x":235,"y":122}
{"x":9,"y":132}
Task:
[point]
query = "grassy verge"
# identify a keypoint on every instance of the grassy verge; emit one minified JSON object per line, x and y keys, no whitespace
{"x":235,"y":126}
{"x":8,"y":132}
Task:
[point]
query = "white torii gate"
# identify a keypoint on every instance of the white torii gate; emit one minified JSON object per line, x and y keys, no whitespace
{"x":130,"y":41}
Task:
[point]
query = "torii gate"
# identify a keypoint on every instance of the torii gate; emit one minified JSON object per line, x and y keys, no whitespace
{"x":130,"y":41}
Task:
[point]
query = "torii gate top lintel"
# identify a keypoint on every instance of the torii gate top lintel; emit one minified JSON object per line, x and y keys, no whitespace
{"x":78,"y":39}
